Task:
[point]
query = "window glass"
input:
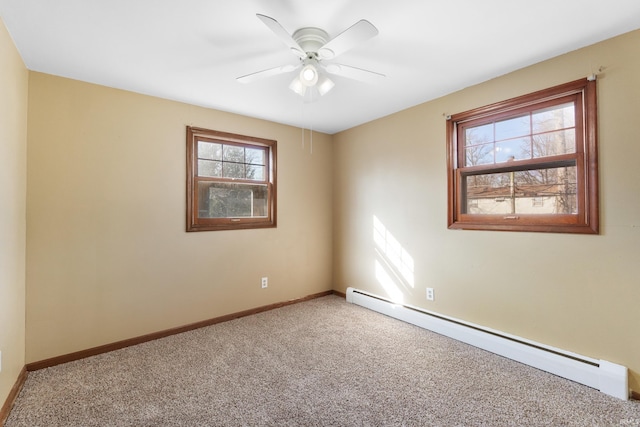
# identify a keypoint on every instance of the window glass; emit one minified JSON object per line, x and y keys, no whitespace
{"x":515,"y":192}
{"x":479,"y":154}
{"x":541,"y":133}
{"x":554,"y":118}
{"x":512,"y":128}
{"x":209,"y":168}
{"x":513,"y":149}
{"x":232,"y":153}
{"x":233,"y":170}
{"x":226,"y":200}
{"x":256,"y":172}
{"x":208,"y":150}
{"x":255,"y":156}
{"x":553,"y":143}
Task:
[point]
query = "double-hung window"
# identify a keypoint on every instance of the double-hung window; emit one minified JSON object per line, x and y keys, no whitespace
{"x":526,"y":164}
{"x":231,"y":181}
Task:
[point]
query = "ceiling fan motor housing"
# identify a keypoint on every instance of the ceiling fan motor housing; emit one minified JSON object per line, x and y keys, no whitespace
{"x":310,"y":39}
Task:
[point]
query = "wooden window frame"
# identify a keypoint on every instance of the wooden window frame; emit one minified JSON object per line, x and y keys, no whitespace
{"x":196,"y":223}
{"x":586,"y":220}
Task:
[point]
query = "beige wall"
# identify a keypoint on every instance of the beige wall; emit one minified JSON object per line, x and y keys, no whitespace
{"x":579,"y":293}
{"x":13,"y":187}
{"x":108,"y":257}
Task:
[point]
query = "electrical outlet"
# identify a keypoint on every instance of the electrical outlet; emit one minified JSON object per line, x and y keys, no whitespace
{"x":265,"y":282}
{"x":430,"y":295}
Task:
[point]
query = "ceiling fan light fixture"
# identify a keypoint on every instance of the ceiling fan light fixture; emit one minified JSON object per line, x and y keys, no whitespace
{"x":309,"y":75}
{"x":325,"y":84}
{"x":297,"y":86}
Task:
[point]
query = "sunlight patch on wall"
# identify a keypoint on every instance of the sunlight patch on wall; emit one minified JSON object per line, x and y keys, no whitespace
{"x":388,"y":284}
{"x":394,"y":265}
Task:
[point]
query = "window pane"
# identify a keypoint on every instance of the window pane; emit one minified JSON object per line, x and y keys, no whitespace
{"x":552,"y":131}
{"x":209,"y":150}
{"x":233,"y":170}
{"x":232,"y":153}
{"x":513,"y":149}
{"x":539,"y":191}
{"x":229,"y":200}
{"x":254,"y":156}
{"x":513,"y":128}
{"x":554,"y":143}
{"x":557,"y":117}
{"x":479,"y":135}
{"x":256,"y":172}
{"x":479,"y":154}
{"x":209,"y":168}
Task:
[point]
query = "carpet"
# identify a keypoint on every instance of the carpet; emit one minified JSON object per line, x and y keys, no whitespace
{"x":322,"y":362}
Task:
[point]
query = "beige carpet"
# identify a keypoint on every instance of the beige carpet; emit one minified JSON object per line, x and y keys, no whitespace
{"x":319,"y":363}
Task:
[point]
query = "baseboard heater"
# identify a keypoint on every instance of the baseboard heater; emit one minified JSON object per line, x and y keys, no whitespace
{"x":609,"y":378}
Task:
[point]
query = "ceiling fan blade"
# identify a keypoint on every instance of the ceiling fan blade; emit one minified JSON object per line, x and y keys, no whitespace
{"x":353,"y":73}
{"x":250,"y":78}
{"x":282,"y":34}
{"x":352,"y":36}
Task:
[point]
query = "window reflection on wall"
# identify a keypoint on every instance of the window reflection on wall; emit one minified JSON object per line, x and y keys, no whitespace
{"x":394,"y":266}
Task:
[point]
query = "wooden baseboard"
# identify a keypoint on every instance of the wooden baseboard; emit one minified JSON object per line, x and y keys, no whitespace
{"x":13,"y":394}
{"x":635,"y":395}
{"x":53,"y":361}
{"x":340,"y":294}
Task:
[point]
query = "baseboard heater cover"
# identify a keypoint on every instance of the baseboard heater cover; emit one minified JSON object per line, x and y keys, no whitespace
{"x":609,"y":378}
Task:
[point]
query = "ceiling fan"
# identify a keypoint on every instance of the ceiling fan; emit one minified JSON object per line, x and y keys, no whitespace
{"x":312,"y":46}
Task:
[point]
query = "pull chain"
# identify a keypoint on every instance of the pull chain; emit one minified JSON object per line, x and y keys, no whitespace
{"x":302,"y":113}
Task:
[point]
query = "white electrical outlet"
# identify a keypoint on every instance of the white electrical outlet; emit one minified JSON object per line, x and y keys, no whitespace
{"x":265,"y":282}
{"x":430,"y":295}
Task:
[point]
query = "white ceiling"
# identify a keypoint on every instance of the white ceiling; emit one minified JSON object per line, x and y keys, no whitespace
{"x":193,"y":50}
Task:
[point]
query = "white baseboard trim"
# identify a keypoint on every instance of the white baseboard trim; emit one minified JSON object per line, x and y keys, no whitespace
{"x":609,"y":378}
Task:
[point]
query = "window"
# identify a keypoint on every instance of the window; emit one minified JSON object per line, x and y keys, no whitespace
{"x":526,"y":164}
{"x":231,"y":181}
